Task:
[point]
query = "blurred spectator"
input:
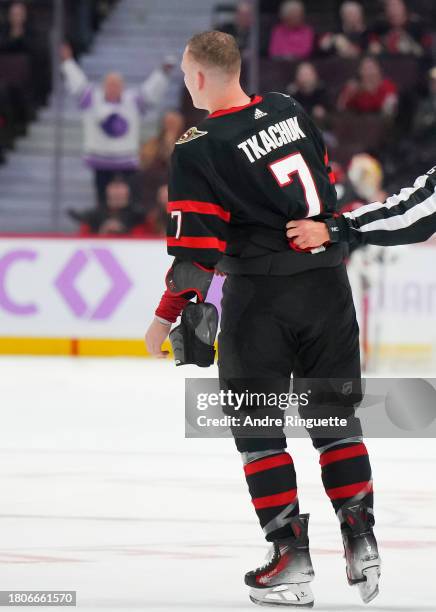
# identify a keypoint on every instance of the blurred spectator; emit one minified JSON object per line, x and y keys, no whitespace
{"x":371,"y":92}
{"x":120,"y":216}
{"x":15,"y":35}
{"x":424,"y":126}
{"x":112,"y":118}
{"x":4,"y":112}
{"x":160,"y":148}
{"x":310,"y":91}
{"x":353,"y":37}
{"x":19,"y":87}
{"x":292,"y":38}
{"x":400,"y":32}
{"x":240,"y":28}
{"x":365,"y":174}
{"x":155,"y":156}
{"x":157,"y":219}
{"x":362,"y":184}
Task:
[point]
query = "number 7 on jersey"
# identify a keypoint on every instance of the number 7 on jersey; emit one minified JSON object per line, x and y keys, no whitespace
{"x":284,"y":168}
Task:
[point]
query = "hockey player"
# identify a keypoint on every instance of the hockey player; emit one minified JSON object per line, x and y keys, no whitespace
{"x":406,"y":218}
{"x":235,"y":180}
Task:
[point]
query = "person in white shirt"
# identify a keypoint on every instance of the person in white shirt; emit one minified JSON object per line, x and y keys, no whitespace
{"x":112,"y":115}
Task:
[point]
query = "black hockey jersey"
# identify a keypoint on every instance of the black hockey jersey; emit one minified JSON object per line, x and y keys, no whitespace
{"x":241,"y":175}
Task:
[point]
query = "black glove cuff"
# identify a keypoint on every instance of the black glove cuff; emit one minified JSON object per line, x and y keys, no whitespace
{"x":333,"y":230}
{"x":189,"y":279}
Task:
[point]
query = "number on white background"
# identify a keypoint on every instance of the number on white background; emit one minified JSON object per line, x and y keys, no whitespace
{"x":177,"y":214}
{"x":283,"y":169}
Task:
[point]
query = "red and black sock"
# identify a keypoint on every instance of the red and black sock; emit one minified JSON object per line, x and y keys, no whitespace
{"x":346,"y":475}
{"x":272,"y":483}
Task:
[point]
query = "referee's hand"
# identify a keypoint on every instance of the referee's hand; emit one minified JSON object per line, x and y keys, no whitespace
{"x":307,"y":234}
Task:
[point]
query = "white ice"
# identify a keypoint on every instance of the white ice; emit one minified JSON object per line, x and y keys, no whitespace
{"x":101,"y":493}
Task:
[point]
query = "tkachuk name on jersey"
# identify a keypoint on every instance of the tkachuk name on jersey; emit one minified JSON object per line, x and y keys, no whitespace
{"x":273,"y":137}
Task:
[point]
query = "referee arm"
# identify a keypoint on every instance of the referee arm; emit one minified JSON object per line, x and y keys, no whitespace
{"x":406,"y":218}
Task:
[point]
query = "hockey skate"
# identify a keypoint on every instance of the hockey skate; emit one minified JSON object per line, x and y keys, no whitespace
{"x":284,"y":579}
{"x":361,"y":553}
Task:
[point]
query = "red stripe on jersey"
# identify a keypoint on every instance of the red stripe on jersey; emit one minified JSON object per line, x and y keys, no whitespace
{"x":267,"y":464}
{"x":330,"y":172}
{"x":280,"y":499}
{"x":349,"y":490}
{"x":203,"y":208}
{"x":357,"y":450}
{"x":197,"y":242}
{"x":236,"y":109}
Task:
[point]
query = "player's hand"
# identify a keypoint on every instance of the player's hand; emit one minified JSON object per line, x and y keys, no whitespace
{"x":154,"y":338}
{"x":65,"y":52}
{"x":112,"y":226}
{"x":307,"y":234}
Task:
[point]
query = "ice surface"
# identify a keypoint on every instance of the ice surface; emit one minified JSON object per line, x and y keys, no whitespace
{"x":101,"y":493}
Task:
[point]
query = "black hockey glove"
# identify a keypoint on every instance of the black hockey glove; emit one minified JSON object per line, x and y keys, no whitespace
{"x":333,"y":230}
{"x":339,"y":229}
{"x":193,"y":340}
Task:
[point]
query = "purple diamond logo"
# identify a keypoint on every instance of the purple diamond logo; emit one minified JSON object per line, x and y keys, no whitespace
{"x":67,"y":279}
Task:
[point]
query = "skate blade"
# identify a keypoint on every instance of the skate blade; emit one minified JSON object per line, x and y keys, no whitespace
{"x":295,"y":595}
{"x":369,"y":589}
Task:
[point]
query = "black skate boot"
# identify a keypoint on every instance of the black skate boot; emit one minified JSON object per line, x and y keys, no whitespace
{"x":284,"y":579}
{"x":361,"y":553}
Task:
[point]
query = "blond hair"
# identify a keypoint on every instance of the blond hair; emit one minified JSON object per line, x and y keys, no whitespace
{"x":216,"y":50}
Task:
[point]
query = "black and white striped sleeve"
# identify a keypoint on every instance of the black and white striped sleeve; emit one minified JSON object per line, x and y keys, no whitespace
{"x":405,"y":218}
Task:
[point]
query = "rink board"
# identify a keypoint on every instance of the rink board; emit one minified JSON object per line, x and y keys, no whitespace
{"x":96,"y":296}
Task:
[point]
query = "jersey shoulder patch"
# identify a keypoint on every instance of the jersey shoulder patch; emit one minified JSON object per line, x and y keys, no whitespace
{"x":189,"y":135}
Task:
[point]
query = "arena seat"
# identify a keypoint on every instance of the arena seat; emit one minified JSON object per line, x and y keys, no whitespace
{"x":335,"y":72}
{"x":276,"y":74}
{"x":15,"y":69}
{"x":405,"y":71}
{"x":356,"y":133}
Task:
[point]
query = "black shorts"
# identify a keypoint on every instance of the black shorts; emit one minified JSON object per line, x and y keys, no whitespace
{"x":273,"y":327}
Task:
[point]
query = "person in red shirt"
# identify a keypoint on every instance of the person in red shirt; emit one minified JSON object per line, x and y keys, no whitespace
{"x":371,"y":92}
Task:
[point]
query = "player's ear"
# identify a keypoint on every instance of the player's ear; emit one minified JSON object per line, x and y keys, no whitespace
{"x":201,"y":80}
